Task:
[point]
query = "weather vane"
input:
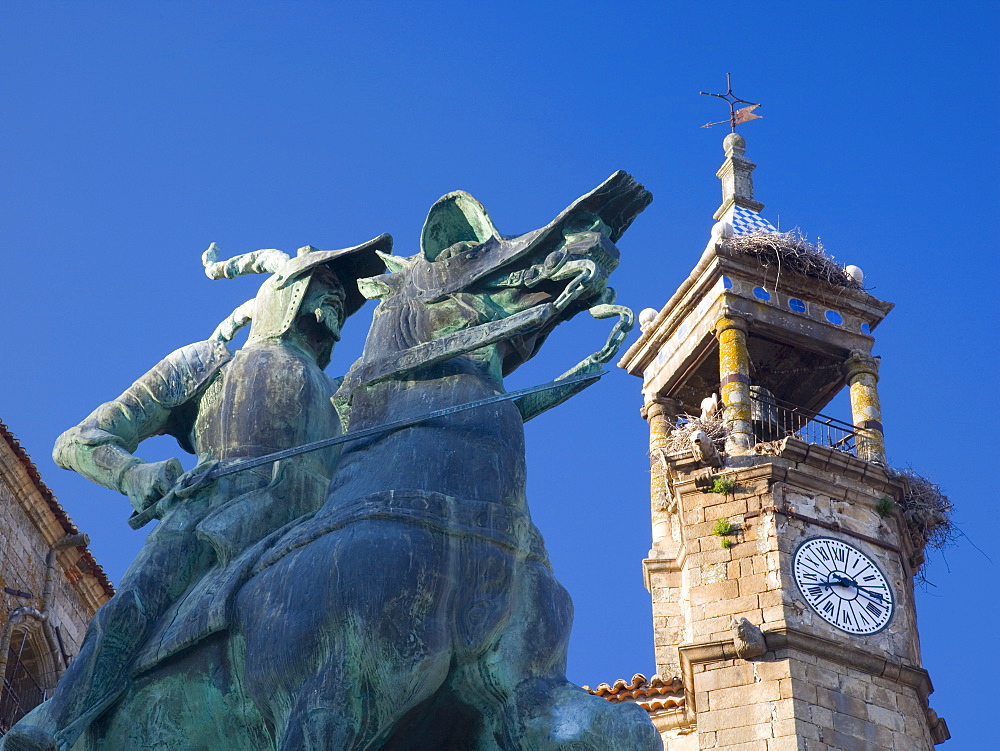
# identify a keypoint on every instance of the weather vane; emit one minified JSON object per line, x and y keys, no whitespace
{"x":736,"y":116}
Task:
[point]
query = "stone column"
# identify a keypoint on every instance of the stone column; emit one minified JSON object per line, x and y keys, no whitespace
{"x":862,"y":375}
{"x":734,"y":379}
{"x":660,"y":412}
{"x":660,"y":570}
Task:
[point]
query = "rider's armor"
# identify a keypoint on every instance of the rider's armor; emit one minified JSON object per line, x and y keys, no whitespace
{"x":270,"y":395}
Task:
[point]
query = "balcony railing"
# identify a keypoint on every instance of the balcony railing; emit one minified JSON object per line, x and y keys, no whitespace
{"x":774,"y":419}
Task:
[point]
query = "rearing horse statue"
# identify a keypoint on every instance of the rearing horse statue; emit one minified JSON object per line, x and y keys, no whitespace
{"x":417,"y":609}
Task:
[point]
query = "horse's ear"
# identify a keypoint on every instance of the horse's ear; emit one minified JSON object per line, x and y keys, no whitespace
{"x":456,"y":217}
{"x":395,"y":263}
{"x":374,"y":287}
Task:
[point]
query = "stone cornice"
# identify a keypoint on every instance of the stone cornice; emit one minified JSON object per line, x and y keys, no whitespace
{"x":675,"y":718}
{"x":718,"y":260}
{"x":782,"y":467}
{"x":856,"y":300}
{"x":693,"y":654}
{"x":881,"y":666}
{"x":641,"y":353}
{"x":785,"y":638}
{"x":663,"y":565}
{"x":82,"y":571}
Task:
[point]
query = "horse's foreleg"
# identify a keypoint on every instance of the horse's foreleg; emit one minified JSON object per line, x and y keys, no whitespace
{"x":543,"y":710}
{"x":553,"y":715}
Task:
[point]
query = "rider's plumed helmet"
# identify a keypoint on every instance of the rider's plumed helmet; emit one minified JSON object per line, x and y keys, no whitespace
{"x":277,"y":305}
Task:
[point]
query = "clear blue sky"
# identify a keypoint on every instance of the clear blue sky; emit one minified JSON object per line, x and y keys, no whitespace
{"x":133,"y":134}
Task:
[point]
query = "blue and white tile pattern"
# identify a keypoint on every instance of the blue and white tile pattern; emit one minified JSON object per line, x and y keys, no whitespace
{"x":746,"y":222}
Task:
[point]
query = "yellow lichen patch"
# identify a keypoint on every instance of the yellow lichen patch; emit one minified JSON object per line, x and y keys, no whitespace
{"x":734,"y":373}
{"x":659,"y":432}
{"x":865,"y":408}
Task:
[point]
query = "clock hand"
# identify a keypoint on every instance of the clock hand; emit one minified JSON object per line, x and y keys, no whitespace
{"x":844,"y":581}
{"x":830,"y":584}
{"x":872,"y":595}
{"x":869,"y":594}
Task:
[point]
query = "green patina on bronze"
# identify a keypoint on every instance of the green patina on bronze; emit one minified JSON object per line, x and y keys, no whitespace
{"x":408,"y":601}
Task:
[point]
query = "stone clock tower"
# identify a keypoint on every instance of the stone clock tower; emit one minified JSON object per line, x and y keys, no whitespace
{"x":783,"y":558}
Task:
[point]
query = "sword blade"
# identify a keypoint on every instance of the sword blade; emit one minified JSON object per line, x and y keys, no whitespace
{"x":355,"y":435}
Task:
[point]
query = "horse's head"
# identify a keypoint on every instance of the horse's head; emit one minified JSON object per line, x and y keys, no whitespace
{"x":471,"y":289}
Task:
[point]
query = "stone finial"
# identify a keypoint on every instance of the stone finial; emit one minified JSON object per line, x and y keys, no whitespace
{"x":646,"y":318}
{"x":735,"y":173}
{"x":721,"y":231}
{"x":748,"y":639}
{"x":734,"y":145}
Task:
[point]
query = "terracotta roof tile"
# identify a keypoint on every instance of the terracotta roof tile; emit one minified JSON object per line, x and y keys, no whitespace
{"x":87,"y":561}
{"x":652,"y":695}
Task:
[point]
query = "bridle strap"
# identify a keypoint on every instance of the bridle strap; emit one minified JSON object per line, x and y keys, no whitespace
{"x":446,"y":347}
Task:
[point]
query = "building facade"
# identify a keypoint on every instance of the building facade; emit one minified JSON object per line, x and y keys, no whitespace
{"x":51,"y":585}
{"x":784,"y":547}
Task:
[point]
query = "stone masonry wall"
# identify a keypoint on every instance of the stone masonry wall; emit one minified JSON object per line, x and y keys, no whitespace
{"x":744,"y":705}
{"x":837,"y":707}
{"x":816,"y":687}
{"x":28,"y":529}
{"x":738,"y":704}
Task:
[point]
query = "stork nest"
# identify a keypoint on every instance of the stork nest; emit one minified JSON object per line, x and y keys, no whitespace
{"x":680,"y":437}
{"x":927,"y":511}
{"x":790,"y":251}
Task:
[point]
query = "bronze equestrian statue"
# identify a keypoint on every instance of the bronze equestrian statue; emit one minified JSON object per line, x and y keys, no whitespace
{"x":414,"y":607}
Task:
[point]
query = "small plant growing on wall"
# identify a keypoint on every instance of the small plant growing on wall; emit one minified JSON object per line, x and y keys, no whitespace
{"x":725,"y":529}
{"x":723,"y":485}
{"x":885,"y":506}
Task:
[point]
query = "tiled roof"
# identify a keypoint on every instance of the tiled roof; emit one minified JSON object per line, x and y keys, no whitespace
{"x":652,"y":695}
{"x":87,"y":561}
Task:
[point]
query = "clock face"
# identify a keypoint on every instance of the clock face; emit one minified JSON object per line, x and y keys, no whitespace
{"x":843,"y":585}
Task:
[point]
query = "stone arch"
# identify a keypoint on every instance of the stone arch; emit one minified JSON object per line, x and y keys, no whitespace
{"x":30,"y":676}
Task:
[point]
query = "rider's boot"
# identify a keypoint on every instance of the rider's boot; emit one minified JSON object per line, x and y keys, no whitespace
{"x":28,"y":738}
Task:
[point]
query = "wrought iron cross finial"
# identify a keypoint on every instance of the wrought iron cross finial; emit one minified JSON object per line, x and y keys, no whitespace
{"x":736,"y":116}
